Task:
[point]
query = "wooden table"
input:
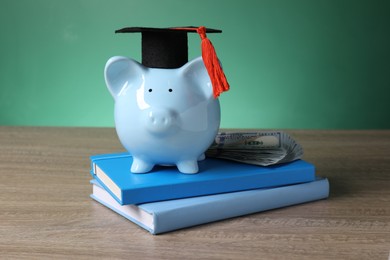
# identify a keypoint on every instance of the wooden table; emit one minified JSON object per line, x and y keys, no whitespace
{"x":46,"y":212}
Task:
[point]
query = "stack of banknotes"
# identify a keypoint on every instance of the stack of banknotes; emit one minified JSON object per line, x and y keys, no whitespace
{"x":262,"y":148}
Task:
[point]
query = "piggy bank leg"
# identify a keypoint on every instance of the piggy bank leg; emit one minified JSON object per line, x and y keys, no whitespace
{"x":140,"y":166}
{"x":188,"y":166}
{"x":201,"y":157}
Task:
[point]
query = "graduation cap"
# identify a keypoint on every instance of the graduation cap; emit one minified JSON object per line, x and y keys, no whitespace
{"x":167,"y":48}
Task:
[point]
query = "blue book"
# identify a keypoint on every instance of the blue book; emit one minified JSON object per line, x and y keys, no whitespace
{"x":165,"y":216}
{"x":215,"y":176}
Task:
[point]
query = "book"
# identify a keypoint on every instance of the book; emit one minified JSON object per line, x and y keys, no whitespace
{"x":215,"y":176}
{"x":165,"y":216}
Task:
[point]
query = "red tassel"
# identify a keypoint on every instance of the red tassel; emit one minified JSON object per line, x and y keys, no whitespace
{"x":213,"y":66}
{"x":211,"y":62}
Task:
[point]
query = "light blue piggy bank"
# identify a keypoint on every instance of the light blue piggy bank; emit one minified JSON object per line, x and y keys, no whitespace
{"x":163,"y":116}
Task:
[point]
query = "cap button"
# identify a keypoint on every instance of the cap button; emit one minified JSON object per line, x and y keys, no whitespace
{"x":202,"y":32}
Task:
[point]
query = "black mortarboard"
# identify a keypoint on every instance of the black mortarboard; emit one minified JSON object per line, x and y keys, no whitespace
{"x":168,"y":48}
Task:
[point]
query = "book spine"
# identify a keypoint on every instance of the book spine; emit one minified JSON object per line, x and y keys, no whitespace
{"x":212,"y":187}
{"x":236,"y":204}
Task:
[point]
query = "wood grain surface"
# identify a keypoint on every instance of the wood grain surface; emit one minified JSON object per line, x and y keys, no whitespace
{"x":46,"y":212}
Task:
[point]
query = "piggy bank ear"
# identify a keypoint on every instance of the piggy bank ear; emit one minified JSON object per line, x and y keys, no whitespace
{"x":121,"y":73}
{"x":196,"y":73}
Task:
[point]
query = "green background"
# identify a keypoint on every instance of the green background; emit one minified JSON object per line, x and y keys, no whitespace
{"x":291,"y":64}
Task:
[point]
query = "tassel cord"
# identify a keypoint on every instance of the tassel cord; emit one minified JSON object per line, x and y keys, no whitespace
{"x":211,"y":61}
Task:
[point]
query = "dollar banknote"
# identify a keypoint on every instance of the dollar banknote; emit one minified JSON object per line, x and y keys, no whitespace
{"x":262,"y":148}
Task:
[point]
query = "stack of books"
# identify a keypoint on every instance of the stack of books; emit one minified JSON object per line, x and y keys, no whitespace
{"x":166,"y":200}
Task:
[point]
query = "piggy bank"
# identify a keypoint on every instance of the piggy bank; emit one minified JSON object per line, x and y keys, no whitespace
{"x":163,"y":116}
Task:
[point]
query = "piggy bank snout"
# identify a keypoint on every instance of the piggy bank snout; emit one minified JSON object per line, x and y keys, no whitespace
{"x":161,"y":121}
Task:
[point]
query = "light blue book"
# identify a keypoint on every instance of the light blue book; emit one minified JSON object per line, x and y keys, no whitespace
{"x":165,"y":216}
{"x":215,"y":176}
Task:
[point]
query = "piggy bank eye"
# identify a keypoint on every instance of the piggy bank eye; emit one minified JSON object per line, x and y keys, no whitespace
{"x":170,"y":90}
{"x":150,"y":90}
